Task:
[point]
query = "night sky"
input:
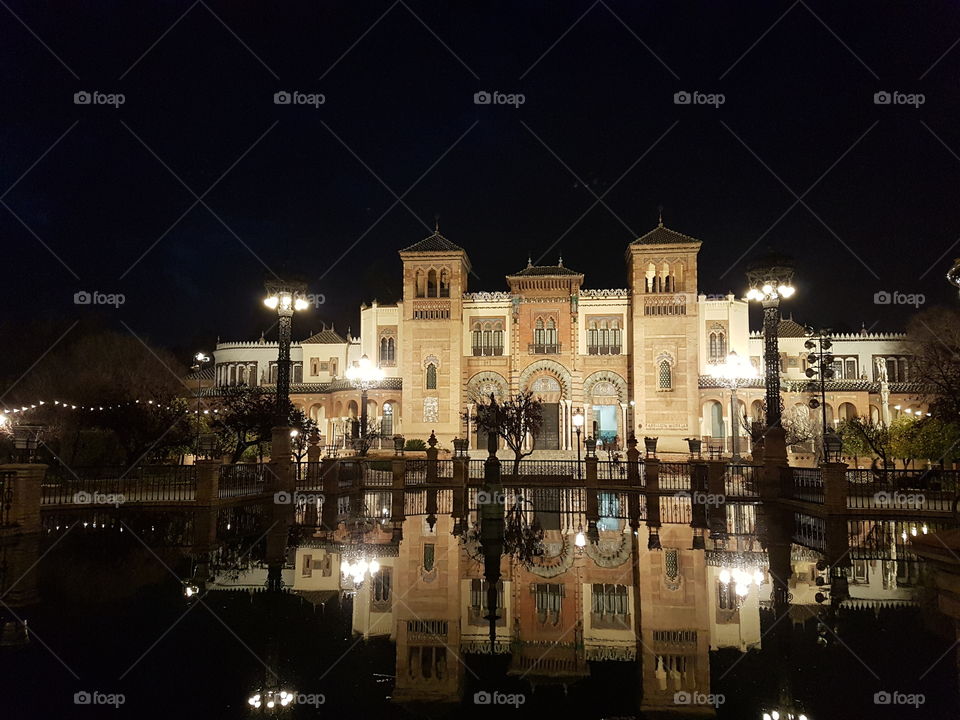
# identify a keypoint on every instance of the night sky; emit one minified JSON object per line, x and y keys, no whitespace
{"x":315,"y":190}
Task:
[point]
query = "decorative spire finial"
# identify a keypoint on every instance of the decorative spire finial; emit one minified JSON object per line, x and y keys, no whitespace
{"x":660,"y":212}
{"x":529,"y":260}
{"x":560,"y":261}
{"x":436,"y":224}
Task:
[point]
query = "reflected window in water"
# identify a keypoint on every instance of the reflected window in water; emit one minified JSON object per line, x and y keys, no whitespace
{"x":549,"y":597}
{"x":609,"y":606}
{"x":429,"y":555}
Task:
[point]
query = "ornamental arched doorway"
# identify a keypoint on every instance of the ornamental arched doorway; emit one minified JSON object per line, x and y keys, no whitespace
{"x":548,"y":390}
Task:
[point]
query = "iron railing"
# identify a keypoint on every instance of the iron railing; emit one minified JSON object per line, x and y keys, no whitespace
{"x":242,"y":479}
{"x":116,"y":485}
{"x":741,"y":481}
{"x":7,"y":480}
{"x":932,"y":490}
{"x":808,"y":485}
{"x":603,"y":349}
{"x":674,"y":476}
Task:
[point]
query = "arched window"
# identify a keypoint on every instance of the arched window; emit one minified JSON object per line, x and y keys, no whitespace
{"x":551,"y":337}
{"x":444,"y":283}
{"x":538,"y":336}
{"x":421,"y":287}
{"x":593,"y":335}
{"x":615,"y":334}
{"x":386,"y":425}
{"x":664,"y":376}
{"x":432,"y":283}
{"x":498,"y":339}
{"x":477,"y":338}
{"x":431,"y":377}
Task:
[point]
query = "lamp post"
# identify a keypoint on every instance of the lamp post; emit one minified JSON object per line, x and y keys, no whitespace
{"x":731,"y":372}
{"x":199,"y":360}
{"x":953,"y":274}
{"x":820,"y":364}
{"x":771,"y":278}
{"x":286,"y":297}
{"x":578,"y":428}
{"x":364,"y":375}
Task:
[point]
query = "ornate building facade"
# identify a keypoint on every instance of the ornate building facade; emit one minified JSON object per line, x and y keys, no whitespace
{"x":636,"y":359}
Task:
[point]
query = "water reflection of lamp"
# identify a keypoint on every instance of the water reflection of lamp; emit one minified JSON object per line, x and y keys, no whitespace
{"x":580,"y":540}
{"x":359,"y":570}
{"x":270,"y":700}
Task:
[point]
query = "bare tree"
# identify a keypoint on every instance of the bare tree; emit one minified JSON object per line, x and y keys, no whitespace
{"x":798,"y":428}
{"x":515,"y":419}
{"x":935,"y":345}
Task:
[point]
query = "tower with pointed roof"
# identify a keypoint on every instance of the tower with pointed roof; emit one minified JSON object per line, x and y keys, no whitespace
{"x":435,"y":275}
{"x":664,"y":353}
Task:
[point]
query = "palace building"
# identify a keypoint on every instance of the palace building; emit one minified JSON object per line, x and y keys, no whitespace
{"x":634,"y":360}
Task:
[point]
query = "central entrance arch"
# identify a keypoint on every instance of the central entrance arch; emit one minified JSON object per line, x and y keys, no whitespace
{"x":550,"y":382}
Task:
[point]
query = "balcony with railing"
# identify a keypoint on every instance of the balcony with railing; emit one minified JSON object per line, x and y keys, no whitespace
{"x":543,"y":348}
{"x":603,"y":349}
{"x":487,"y":350}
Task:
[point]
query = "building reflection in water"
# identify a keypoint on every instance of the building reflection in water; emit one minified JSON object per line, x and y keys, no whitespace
{"x":638,"y":593}
{"x":658,"y":587}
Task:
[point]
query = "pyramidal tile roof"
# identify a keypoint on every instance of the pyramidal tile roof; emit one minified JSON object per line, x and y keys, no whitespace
{"x":532,"y":269}
{"x":327,"y":336}
{"x":662,"y":235}
{"x":434,"y":243}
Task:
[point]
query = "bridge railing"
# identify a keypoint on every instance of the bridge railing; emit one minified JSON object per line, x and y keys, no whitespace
{"x":104,"y":485}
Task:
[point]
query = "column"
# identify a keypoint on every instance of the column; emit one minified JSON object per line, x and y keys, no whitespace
{"x":624,"y":433}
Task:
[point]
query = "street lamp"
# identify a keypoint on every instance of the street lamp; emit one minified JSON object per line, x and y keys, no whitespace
{"x":731,"y":372}
{"x":286,"y":297}
{"x":771,"y":278}
{"x":578,"y":428}
{"x":953,"y":274}
{"x":199,"y":360}
{"x":364,"y":376}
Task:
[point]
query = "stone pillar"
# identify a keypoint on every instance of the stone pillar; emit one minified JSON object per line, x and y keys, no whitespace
{"x":208,"y":482}
{"x":592,"y":498}
{"x":774,"y":462}
{"x":834,"y":487}
{"x":432,"y":454}
{"x":717,"y":508}
{"x":330,"y":479}
{"x":397,"y":507}
{"x":280,"y":472}
{"x":25,"y":505}
{"x":314,"y":451}
{"x":651,"y":474}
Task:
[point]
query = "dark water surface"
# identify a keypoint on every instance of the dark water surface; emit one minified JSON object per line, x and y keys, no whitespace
{"x":104,"y":597}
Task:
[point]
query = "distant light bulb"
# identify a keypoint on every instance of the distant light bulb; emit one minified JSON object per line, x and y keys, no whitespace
{"x":271,"y":302}
{"x":580,"y":540}
{"x":374,"y":567}
{"x":767,"y":290}
{"x":725,"y":576}
{"x":741,"y":589}
{"x":758,"y":578}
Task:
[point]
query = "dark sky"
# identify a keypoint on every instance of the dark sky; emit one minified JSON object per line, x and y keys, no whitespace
{"x":878,"y":183}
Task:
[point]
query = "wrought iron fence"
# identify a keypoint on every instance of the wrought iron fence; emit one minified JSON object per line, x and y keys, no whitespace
{"x":309,"y":475}
{"x":7,"y":480}
{"x":933,"y":489}
{"x":242,"y":479}
{"x":445,"y":470}
{"x":612,"y":470}
{"x":116,"y":485}
{"x":809,"y":531}
{"x":741,"y":481}
{"x":674,"y":476}
{"x":415,"y":472}
{"x":808,"y":485}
